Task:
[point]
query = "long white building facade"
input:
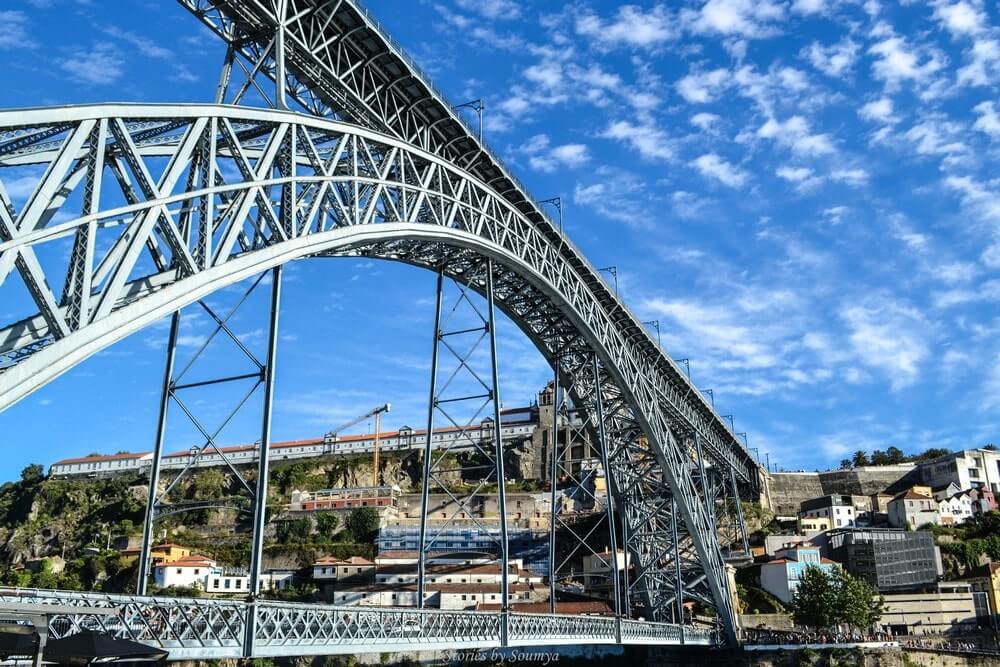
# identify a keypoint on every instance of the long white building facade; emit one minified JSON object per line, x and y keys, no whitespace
{"x":516,"y":424}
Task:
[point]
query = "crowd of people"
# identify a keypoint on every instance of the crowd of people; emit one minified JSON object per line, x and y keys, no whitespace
{"x":772,"y":637}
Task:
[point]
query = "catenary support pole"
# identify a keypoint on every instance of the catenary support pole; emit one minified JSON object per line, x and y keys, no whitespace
{"x":154,"y":470}
{"x":498,"y":448}
{"x":553,"y":491}
{"x":424,"y":489}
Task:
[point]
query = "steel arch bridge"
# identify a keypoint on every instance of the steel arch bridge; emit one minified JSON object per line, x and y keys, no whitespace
{"x":188,"y":199}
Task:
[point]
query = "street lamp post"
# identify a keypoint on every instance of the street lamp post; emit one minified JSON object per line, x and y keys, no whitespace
{"x":556,"y":203}
{"x":478,"y":106}
{"x":656,"y":325}
{"x":613,"y":270}
{"x":711,"y":395}
{"x":687,"y":365}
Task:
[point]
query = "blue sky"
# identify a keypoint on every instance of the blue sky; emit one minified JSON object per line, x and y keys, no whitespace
{"x":802,"y":193}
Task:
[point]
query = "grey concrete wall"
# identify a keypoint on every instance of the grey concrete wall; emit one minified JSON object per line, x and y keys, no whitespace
{"x":789,"y":489}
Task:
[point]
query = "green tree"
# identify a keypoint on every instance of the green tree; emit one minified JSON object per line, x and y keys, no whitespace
{"x":33,"y":474}
{"x":294,"y":531}
{"x":932,"y":453}
{"x":845,"y":464}
{"x":860,"y":459}
{"x":895,"y":455}
{"x":990,"y":446}
{"x":857,"y":604}
{"x":209,"y":484}
{"x":326,"y":524}
{"x":362,"y":523}
{"x":815,"y":599}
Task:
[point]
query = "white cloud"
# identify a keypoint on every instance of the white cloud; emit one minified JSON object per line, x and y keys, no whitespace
{"x":743,"y":18}
{"x":796,"y":135}
{"x":542,"y":156}
{"x":146,"y":47}
{"x":850,"y":176}
{"x":712,"y":166}
{"x":14,"y":33}
{"x":888,"y":338}
{"x":935,"y":135}
{"x":632,"y":27}
{"x":988,"y":121}
{"x":492,"y":9}
{"x":794,"y":174}
{"x":704,"y":86}
{"x":878,"y":110}
{"x":651,"y":142}
{"x":616,"y":195}
{"x":548,"y":74}
{"x":977,"y":196}
{"x":704,"y":120}
{"x":897,"y":62}
{"x":834,"y":60}
{"x":99,"y":65}
{"x":960,"y":18}
{"x":808,"y":7}
{"x":984,"y":63}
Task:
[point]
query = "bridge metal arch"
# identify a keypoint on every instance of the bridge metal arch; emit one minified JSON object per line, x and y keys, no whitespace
{"x":334,"y":213}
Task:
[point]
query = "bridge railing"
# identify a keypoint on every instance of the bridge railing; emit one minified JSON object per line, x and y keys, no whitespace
{"x":527,"y":629}
{"x":206,"y":628}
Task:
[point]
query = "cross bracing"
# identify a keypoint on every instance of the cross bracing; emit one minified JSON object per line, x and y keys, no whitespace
{"x":210,"y":195}
{"x":205,"y":629}
{"x":334,"y":59}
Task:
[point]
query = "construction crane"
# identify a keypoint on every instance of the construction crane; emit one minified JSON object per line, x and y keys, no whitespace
{"x":331,"y":436}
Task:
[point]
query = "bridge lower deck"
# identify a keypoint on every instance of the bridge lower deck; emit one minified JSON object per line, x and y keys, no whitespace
{"x":202,"y":629}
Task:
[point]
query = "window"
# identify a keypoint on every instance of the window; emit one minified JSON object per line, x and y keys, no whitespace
{"x":215,"y":583}
{"x":196,"y":570}
{"x":226,"y":584}
{"x":178,"y":570}
{"x":239,"y":583}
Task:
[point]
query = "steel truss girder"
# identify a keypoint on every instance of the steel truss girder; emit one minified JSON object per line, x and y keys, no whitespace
{"x":203,"y":629}
{"x":340,"y":62}
{"x":345,"y":190}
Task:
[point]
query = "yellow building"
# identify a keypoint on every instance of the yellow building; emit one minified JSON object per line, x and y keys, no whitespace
{"x":986,"y":579}
{"x":159,"y":553}
{"x":809,"y":525}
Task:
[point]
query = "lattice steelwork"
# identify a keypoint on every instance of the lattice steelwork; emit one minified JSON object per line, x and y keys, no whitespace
{"x":202,"y":197}
{"x":465,"y":396}
{"x":203,"y":629}
{"x":355,"y":193}
{"x":575,"y":478}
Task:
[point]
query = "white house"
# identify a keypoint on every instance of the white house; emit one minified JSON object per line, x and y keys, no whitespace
{"x":837,"y":509}
{"x":912,"y":509}
{"x":186,"y":572}
{"x":955,"y":509}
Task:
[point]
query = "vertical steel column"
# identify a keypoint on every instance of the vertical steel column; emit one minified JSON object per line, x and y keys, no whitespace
{"x":260,"y":495}
{"x":154,"y":471}
{"x":709,"y":498}
{"x":612,"y":537}
{"x":678,"y":581}
{"x":553,"y":474}
{"x":279,"y":57}
{"x":425,"y":488}
{"x":501,"y":476}
{"x":225,"y":75}
{"x":741,"y":525}
{"x":627,"y":592}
